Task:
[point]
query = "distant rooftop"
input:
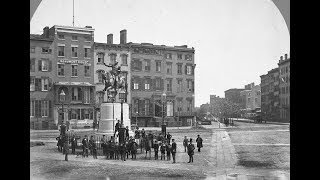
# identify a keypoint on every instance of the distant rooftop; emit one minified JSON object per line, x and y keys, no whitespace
{"x":86,"y":28}
{"x":40,"y":37}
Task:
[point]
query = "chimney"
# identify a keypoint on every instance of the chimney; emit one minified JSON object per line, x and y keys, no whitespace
{"x":46,"y":32}
{"x":281,"y":58}
{"x":123,"y":36}
{"x":110,"y":39}
{"x":285,"y":56}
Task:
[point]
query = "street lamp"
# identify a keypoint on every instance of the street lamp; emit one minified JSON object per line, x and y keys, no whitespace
{"x":122,"y":97}
{"x":163,"y":126}
{"x":63,"y":128}
{"x":62,"y":99}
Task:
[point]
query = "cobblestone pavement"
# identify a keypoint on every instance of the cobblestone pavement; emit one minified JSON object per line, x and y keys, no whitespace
{"x":217,"y":160}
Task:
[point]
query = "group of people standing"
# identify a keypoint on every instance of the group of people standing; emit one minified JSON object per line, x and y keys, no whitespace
{"x":112,"y":149}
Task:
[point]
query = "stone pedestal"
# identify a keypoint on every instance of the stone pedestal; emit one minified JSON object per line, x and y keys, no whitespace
{"x":110,"y":113}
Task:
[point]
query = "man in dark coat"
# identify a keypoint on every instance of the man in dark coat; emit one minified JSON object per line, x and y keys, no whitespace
{"x":174,"y":150}
{"x":168,"y":149}
{"x":94,"y":148}
{"x":73,"y":144}
{"x":163,"y":151}
{"x":65,"y":139}
{"x":168,"y":137}
{"x":103,"y":144}
{"x":85,"y":146}
{"x":134,"y":147}
{"x":59,"y":143}
{"x":190,"y":150}
{"x":156,"y":149}
{"x":91,"y":141}
{"x":185,"y":143}
{"x":199,"y":142}
{"x":127,"y":133}
{"x":122,"y":150}
{"x":118,"y":125}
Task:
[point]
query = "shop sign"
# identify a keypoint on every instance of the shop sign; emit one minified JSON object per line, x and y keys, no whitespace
{"x":74,"y":61}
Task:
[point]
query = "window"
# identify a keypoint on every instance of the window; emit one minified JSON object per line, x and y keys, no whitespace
{"x":61,"y":51}
{"x":256,"y":100}
{"x":179,"y":68}
{"x":60,"y":36}
{"x":189,"y":85}
{"x":74,"y":51}
{"x":32,"y":65}
{"x":32,"y":49}
{"x":169,"y":85}
{"x":169,"y":68}
{"x":248,"y":99}
{"x":45,"y":84}
{"x":168,"y":56}
{"x":74,"y":69}
{"x":45,"y":50}
{"x":136,"y":85}
{"x":44,"y":108}
{"x":179,"y":87}
{"x":147,"y":84}
{"x":179,"y":56}
{"x":100,"y":58}
{"x":189,"y":70}
{"x":44,"y":65}
{"x":76,"y":94}
{"x":179,"y":105}
{"x":137,"y":65}
{"x":100,"y":80}
{"x":146,"y":106}
{"x":158,"y":66}
{"x":87,"y":38}
{"x":74,"y":38}
{"x":136,"y":106}
{"x":87,"y":71}
{"x":158,"y":83}
{"x":189,"y":108}
{"x":113,"y":57}
{"x":124,"y":59}
{"x":87,"y":95}
{"x":87,"y":52}
{"x":286,"y":69}
{"x":188,"y":57}
{"x":60,"y":69}
{"x":147,"y":65}
{"x":32,"y":108}
{"x":32,"y":83}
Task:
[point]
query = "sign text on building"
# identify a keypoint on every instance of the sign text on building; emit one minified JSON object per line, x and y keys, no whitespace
{"x":73,"y":61}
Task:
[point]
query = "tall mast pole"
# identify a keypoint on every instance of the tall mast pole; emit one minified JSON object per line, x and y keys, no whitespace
{"x":73,"y":13}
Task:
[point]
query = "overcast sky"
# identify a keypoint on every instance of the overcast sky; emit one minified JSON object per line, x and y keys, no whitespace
{"x":235,"y":41}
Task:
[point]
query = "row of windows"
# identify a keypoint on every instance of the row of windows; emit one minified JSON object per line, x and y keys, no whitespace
{"x":79,"y":94}
{"x":144,"y":107}
{"x":74,"y":37}
{"x":40,"y":84}
{"x":285,"y":70}
{"x":187,"y":57}
{"x":74,"y":70}
{"x":44,"y":50}
{"x":40,"y":108}
{"x":74,"y":51}
{"x":113,"y":58}
{"x":180,"y":56}
{"x":285,"y":90}
{"x":157,"y":84}
{"x":44,"y":65}
{"x":137,"y":66}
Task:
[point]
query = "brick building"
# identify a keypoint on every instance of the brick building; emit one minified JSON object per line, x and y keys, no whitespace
{"x":41,"y":76}
{"x":270,"y":95}
{"x":72,"y":72}
{"x":109,"y":54}
{"x":233,"y":95}
{"x":215,"y":105}
{"x":251,"y":97}
{"x":284,"y":88}
{"x":157,"y":70}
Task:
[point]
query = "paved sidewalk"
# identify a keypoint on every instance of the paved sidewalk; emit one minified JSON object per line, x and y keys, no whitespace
{"x":251,"y":121}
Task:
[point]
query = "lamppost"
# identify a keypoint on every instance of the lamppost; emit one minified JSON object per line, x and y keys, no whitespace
{"x":64,"y":135}
{"x":163,"y":126}
{"x":62,"y":99}
{"x":122,"y":97}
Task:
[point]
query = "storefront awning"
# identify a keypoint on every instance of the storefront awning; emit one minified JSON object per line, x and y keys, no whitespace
{"x":73,"y":83}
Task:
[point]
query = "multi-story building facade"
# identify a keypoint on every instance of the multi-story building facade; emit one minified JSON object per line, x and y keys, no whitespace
{"x":215,"y":105}
{"x":284,"y":87}
{"x":109,"y":54}
{"x":233,"y":95}
{"x":162,"y":74}
{"x":270,"y":95}
{"x":72,"y":69}
{"x":251,"y":98}
{"x":41,"y":76}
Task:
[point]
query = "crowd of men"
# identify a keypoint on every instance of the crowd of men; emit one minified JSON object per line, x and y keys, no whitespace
{"x":112,"y":149}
